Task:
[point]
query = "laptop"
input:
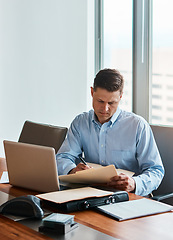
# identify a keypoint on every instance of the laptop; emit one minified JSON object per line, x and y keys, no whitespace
{"x":31,"y":166}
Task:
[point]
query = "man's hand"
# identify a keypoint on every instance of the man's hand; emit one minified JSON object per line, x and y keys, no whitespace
{"x":122,"y":182}
{"x":79,"y":167}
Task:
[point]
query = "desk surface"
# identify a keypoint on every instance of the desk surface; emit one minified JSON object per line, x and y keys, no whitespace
{"x":151,"y":227}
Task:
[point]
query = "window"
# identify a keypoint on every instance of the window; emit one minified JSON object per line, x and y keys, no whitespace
{"x":162,"y":59}
{"x":117,"y":43}
{"x":137,"y":39}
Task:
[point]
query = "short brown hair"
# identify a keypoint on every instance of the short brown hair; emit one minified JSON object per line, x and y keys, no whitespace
{"x":109,"y":79}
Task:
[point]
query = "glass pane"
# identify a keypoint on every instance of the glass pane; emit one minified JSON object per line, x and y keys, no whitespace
{"x":162,"y":70}
{"x":117,"y":43}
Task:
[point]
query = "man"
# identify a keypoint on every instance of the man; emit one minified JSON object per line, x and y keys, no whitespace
{"x":109,"y":135}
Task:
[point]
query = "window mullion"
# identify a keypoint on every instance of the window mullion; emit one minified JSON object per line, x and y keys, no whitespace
{"x":141,"y":56}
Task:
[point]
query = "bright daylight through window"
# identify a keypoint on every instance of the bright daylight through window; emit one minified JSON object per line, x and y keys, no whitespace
{"x":117,"y":53}
{"x":162,"y":69}
{"x":117,"y":43}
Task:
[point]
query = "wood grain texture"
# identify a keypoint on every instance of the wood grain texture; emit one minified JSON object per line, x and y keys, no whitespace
{"x":153,"y":227}
{"x":14,"y":230}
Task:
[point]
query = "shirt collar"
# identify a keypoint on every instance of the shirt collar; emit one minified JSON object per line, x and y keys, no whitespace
{"x":94,"y":118}
{"x":115,"y":116}
{"x":112,"y":120}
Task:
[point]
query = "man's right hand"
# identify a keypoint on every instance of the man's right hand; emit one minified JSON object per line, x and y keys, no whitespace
{"x":79,"y":167}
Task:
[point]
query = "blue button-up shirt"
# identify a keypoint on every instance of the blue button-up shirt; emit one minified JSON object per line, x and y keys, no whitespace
{"x":125,"y":141}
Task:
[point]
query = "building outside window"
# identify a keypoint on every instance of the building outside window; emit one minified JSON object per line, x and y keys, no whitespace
{"x":117,"y":43}
{"x":162,"y":59}
{"x":118,"y":25}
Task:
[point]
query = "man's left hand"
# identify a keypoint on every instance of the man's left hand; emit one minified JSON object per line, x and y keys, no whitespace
{"x":122,"y":182}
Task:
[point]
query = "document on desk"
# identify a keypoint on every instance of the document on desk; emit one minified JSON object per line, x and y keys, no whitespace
{"x":133,"y":209}
{"x":4,"y":178}
{"x":73,"y":194}
{"x":94,"y":175}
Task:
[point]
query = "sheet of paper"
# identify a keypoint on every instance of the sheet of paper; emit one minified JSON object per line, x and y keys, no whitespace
{"x":4,"y":177}
{"x":73,"y":194}
{"x":136,"y":208}
{"x":94,"y":165}
{"x":94,"y":175}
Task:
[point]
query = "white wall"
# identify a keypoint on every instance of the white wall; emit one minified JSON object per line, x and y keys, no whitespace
{"x":46,"y":62}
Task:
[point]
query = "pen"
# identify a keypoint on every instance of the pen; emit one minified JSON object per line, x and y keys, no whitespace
{"x":83,"y":161}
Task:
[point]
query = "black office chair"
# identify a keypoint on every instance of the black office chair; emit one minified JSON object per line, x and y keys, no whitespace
{"x":164,"y":139}
{"x":43,"y":134}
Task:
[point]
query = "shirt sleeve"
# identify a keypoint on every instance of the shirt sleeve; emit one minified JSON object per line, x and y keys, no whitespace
{"x":70,"y":150}
{"x":149,"y":160}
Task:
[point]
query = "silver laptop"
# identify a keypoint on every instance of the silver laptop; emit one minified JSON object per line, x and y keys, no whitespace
{"x":31,"y":166}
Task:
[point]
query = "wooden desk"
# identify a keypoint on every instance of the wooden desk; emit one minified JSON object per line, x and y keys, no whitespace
{"x":151,"y":227}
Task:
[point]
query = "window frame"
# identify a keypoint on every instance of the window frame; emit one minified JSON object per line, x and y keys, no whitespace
{"x":141,"y":52}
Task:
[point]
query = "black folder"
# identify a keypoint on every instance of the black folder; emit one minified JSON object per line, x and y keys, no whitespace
{"x":92,"y":202}
{"x":83,"y":198}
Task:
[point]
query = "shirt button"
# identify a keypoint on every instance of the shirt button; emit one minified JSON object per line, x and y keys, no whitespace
{"x":102,"y":145}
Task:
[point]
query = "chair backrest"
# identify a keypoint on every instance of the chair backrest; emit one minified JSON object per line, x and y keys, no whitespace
{"x":164,"y":139}
{"x":43,"y":134}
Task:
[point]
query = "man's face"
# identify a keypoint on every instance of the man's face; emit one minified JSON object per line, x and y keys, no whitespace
{"x":105,"y":103}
